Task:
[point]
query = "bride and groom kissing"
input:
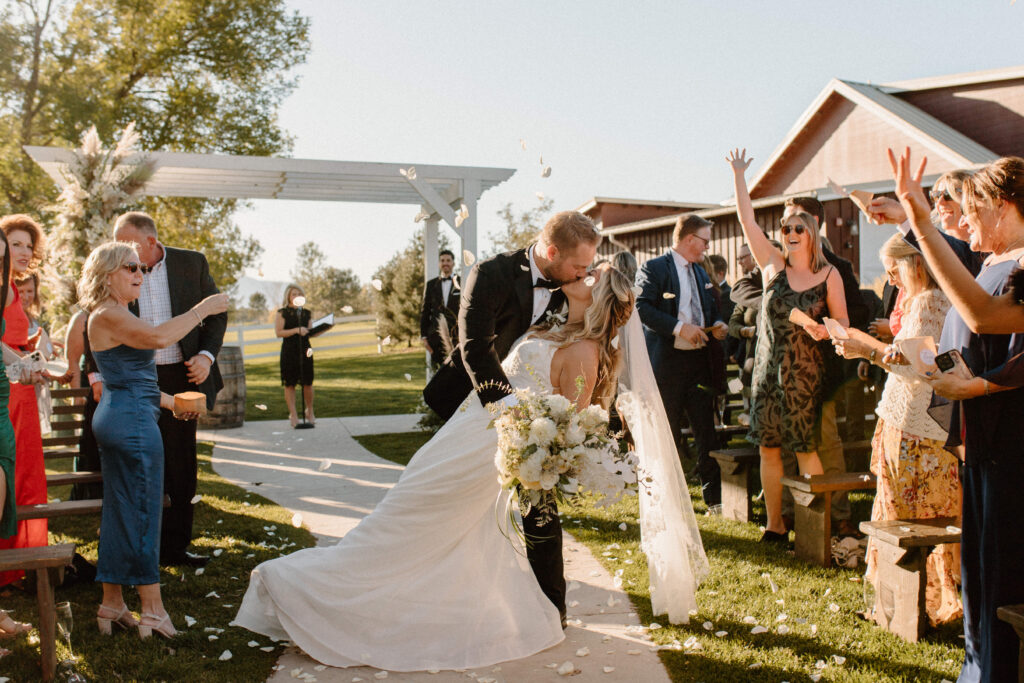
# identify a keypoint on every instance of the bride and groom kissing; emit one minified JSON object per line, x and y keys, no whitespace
{"x":429,"y":580}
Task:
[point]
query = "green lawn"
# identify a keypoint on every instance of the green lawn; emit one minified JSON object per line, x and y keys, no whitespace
{"x":346,"y":384}
{"x":248,"y":528}
{"x":735,"y":589}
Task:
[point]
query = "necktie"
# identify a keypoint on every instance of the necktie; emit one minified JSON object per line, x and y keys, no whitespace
{"x":696,"y":316}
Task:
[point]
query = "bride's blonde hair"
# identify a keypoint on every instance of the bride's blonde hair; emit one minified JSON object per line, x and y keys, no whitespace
{"x":612,"y":304}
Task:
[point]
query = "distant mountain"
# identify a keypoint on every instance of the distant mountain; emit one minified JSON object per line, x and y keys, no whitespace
{"x":247,"y":286}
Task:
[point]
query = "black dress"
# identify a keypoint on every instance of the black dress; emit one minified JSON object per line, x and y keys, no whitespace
{"x":296,"y":354}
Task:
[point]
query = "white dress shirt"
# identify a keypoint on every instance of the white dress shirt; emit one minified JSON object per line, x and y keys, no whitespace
{"x":446,"y":289}
{"x":685,"y":292}
{"x":541,"y":295}
{"x":155,"y":308}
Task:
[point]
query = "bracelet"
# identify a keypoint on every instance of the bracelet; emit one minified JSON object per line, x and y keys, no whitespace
{"x":871,"y":358}
{"x":198,"y":317}
{"x":927,"y":235}
{"x":986,"y":385}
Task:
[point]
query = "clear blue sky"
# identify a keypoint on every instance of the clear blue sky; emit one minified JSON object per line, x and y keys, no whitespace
{"x":632,"y":99}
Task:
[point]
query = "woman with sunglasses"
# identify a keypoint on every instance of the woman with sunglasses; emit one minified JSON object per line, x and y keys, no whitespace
{"x":25,"y":247}
{"x":787,"y":389}
{"x":988,"y":408}
{"x":125,"y":426}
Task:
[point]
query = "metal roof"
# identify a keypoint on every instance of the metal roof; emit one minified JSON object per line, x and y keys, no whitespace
{"x":180,"y":174}
{"x":594,"y":201}
{"x":952,"y":80}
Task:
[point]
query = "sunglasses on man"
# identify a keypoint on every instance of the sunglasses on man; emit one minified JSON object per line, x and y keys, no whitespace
{"x":134,"y":267}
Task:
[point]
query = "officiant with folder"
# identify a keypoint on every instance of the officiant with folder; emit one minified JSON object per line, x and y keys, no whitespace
{"x":292,"y":324}
{"x":439,"y":312}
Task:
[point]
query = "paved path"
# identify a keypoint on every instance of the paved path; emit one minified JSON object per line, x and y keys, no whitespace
{"x":283,"y":464}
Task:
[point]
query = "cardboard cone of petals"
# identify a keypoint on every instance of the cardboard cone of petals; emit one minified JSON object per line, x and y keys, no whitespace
{"x":190,"y":402}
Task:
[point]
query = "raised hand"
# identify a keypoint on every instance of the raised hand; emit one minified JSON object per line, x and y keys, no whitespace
{"x":908,"y":185}
{"x":738,"y":160}
{"x":213,"y":304}
{"x":886,"y":210}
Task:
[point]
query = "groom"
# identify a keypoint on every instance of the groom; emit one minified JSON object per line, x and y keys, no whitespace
{"x":502,"y":297}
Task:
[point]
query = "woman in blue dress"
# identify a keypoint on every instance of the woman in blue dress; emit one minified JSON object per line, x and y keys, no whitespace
{"x":125,"y":425}
{"x":984,"y":327}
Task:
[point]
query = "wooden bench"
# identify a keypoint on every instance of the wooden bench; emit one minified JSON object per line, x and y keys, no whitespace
{"x":735,"y":464}
{"x":902,"y":549}
{"x":67,"y":417}
{"x":1014,"y":616}
{"x":812,"y":510}
{"x":47,"y":563}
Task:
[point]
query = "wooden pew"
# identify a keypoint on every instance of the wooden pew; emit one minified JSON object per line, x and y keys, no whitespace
{"x":735,"y":464}
{"x":902,"y":550}
{"x":47,"y":563}
{"x":1014,"y":616}
{"x":812,"y":510}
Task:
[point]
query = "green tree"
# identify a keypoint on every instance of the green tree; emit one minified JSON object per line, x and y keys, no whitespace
{"x":194,"y":75}
{"x":258,"y":306}
{"x":327,"y":288}
{"x":520,"y":230}
{"x":397,"y":304}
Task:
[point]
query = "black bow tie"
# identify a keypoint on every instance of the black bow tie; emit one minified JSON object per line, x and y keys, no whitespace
{"x":547,"y":284}
{"x":446,"y":279}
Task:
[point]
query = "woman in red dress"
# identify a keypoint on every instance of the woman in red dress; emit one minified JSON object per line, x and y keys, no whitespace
{"x":25,"y":239}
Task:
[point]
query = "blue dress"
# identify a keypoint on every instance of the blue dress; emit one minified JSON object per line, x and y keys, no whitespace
{"x":132,"y":458}
{"x":992,"y":555}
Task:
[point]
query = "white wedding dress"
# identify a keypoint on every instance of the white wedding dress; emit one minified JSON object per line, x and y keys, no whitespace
{"x":427,"y":580}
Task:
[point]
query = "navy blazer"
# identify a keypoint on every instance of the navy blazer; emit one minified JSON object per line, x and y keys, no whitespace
{"x":659,"y":314}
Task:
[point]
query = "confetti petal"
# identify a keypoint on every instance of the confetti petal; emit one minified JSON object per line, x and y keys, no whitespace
{"x":608,"y":669}
{"x":297,"y":520}
{"x":668,"y":295}
{"x":566,"y":669}
{"x":546,"y":173}
{"x":758,"y":629}
{"x":468,"y":257}
{"x":522,"y":144}
{"x":408,"y":377}
{"x":623,"y":526}
{"x":377,"y":284}
{"x":380,"y":675}
{"x":218,"y":552}
{"x":200,"y":570}
{"x":324,"y":465}
{"x":347,"y":310}
{"x":583,"y":652}
{"x":637,"y":291}
{"x":268,"y":648}
{"x":708,"y":626}
{"x":386,"y":340}
{"x":309,"y":353}
{"x":189,"y":621}
{"x":540,"y":196}
{"x":196,"y":498}
{"x":782,"y":629}
{"x":721,"y":634}
{"x":833,"y":607}
{"x":225,"y":656}
{"x":253,"y":643}
{"x":589,"y":280}
{"x":261,"y":406}
{"x":749,"y":620}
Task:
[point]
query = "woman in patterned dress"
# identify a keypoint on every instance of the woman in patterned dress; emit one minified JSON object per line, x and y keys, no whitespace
{"x":788,"y":370}
{"x":917,"y":477}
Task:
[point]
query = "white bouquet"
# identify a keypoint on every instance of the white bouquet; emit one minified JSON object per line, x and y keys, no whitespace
{"x":549,"y":451}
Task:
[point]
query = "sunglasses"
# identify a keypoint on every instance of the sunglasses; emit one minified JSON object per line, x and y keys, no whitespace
{"x":134,"y":267}
{"x":941,"y":195}
{"x":798,"y":229}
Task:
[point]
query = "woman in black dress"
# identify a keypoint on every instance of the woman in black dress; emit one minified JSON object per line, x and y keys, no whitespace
{"x":292,"y":324}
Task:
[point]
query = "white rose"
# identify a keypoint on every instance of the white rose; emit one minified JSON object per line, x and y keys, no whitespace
{"x":558,"y":405}
{"x":530,"y":471}
{"x":542,"y":431}
{"x":593,"y":417}
{"x":574,"y":433}
{"x":548,"y":479}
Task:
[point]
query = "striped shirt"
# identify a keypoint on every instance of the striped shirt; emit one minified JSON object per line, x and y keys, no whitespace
{"x":155,"y":307}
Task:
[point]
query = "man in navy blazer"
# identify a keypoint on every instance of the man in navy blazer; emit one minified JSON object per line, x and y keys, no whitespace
{"x":681,"y":319}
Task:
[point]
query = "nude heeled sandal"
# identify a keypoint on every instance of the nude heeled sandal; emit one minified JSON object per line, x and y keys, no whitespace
{"x":161,"y":625}
{"x":106,"y":616}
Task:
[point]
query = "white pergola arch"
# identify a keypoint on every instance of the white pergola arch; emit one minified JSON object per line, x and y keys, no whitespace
{"x":439,"y":191}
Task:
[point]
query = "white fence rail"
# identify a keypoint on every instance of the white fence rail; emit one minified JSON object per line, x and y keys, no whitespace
{"x":245,"y":335}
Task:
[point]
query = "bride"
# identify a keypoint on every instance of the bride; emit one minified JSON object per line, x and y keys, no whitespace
{"x":429,"y":580}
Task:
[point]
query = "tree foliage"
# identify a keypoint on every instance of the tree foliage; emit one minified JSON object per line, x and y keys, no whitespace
{"x":397,"y":304}
{"x":520,"y":230}
{"x":327,"y":288}
{"x":194,"y":75}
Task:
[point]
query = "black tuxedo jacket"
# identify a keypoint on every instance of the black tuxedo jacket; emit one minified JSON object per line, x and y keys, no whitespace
{"x":189,"y":281}
{"x":496,"y":308}
{"x":434,"y":305}
{"x":659,"y":315}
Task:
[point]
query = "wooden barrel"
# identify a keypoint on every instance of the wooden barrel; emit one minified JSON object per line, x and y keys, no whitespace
{"x":229,"y":411}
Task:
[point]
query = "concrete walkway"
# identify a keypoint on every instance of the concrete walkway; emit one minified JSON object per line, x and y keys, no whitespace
{"x":604,"y":641}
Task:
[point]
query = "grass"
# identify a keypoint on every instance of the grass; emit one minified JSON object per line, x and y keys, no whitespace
{"x":346,"y":384}
{"x":735,"y":589}
{"x":248,"y":528}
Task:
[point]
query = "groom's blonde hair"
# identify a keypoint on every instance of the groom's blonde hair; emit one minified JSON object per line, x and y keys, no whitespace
{"x":567,"y":229}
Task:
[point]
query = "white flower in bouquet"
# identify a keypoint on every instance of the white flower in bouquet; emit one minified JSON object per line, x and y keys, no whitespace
{"x":531,"y":469}
{"x":543,"y":431}
{"x":593,"y":417}
{"x":558,"y":406}
{"x":574,"y":432}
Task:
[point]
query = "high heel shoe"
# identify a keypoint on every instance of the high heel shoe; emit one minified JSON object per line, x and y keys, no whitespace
{"x":106,"y":616}
{"x":158,"y":624}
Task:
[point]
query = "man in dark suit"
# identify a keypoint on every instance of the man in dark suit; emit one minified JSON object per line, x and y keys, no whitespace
{"x":502,"y":297}
{"x":440,"y":300}
{"x":678,"y":311}
{"x":179,"y":279}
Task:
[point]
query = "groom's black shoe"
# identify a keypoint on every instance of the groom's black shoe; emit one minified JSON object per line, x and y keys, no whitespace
{"x":185,"y":559}
{"x":565,"y":624}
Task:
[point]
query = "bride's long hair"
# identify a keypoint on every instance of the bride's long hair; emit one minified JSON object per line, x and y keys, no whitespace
{"x":613,"y":302}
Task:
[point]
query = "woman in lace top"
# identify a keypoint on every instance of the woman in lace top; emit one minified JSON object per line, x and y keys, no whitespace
{"x":917,"y":477}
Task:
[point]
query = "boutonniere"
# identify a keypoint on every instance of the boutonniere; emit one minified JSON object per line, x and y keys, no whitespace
{"x":708,"y":285}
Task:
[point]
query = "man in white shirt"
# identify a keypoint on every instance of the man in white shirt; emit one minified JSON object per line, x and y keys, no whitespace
{"x":179,"y":279}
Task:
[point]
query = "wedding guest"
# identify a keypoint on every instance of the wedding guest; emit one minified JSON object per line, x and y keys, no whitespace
{"x":624,"y":262}
{"x":745,"y":260}
{"x":681,"y":321}
{"x":439,"y":312}
{"x":25,"y":247}
{"x":178,"y":280}
{"x":984,"y":327}
{"x":291,"y":323}
{"x":39,"y":339}
{"x":83,"y":373}
{"x":917,"y":477}
{"x":788,"y":382}
{"x":127,"y":431}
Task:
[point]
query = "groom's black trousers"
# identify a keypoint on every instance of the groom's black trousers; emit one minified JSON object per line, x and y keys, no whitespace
{"x":544,"y":550}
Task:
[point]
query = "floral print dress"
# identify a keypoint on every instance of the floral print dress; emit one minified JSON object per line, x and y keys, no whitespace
{"x":789,"y":369}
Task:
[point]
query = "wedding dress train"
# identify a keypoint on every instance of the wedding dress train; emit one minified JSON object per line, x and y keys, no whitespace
{"x":428,"y":579}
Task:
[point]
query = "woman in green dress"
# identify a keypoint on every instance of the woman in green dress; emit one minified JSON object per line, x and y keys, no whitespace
{"x":8,"y":517}
{"x":787,"y":386}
